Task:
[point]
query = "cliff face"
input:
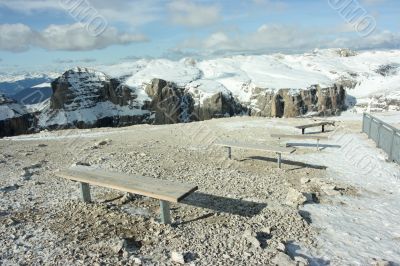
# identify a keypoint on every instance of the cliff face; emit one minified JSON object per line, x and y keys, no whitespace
{"x":293,"y":103}
{"x":14,"y":118}
{"x":83,"y":88}
{"x":172,"y":104}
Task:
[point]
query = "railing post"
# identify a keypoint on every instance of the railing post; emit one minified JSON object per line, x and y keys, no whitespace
{"x":363,"y":123}
{"x":391,"y":147}
{"x":369,"y":129}
{"x":379,"y":134}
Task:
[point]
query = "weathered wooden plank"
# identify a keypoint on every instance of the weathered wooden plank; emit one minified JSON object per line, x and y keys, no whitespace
{"x":283,"y":136}
{"x":259,"y":147}
{"x":146,"y":186}
{"x":316,"y":124}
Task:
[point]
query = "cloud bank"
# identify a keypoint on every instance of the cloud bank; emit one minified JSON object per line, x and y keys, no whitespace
{"x":69,"y":37}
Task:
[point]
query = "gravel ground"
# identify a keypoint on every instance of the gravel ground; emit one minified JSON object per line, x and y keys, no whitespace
{"x":246,"y":211}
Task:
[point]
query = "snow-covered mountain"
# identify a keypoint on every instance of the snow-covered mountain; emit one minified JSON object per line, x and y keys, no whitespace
{"x":324,"y":82}
{"x":13,"y":83}
{"x":370,"y":77}
{"x":34,"y":95}
{"x":87,"y":98}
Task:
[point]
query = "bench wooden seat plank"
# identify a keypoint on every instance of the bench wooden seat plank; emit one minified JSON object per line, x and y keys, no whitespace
{"x":145,"y":186}
{"x":164,"y":190}
{"x":318,"y":138}
{"x":259,"y":147}
{"x":323,"y":124}
{"x":316,"y":124}
{"x":283,"y":136}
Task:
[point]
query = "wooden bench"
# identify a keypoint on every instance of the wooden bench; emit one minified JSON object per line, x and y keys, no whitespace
{"x":323,"y":124}
{"x":165,"y":191}
{"x":283,"y":136}
{"x":260,"y":147}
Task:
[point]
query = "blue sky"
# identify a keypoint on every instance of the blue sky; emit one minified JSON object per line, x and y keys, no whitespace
{"x":55,"y":34}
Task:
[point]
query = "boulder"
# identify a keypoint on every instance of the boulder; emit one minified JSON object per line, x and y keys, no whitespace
{"x":295,"y":198}
{"x":282,"y":259}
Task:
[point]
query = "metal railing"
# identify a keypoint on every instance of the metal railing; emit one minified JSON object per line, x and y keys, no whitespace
{"x":385,"y":136}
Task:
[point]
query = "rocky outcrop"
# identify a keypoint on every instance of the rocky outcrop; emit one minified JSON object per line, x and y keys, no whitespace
{"x":169,"y":103}
{"x":14,"y":119}
{"x":292,"y":103}
{"x":388,"y":70}
{"x":84,"y":98}
{"x":173,"y":104}
{"x":84,"y":88}
{"x":218,"y":105}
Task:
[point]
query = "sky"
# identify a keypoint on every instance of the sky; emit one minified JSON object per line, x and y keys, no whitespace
{"x":57,"y":34}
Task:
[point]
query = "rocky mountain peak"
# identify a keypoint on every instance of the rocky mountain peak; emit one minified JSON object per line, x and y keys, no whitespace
{"x":81,"y":88}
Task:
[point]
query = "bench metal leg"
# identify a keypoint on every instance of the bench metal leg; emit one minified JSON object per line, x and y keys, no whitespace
{"x":280,"y":160}
{"x":165,"y":212}
{"x":303,"y":131}
{"x":229,"y":149}
{"x":323,"y":128}
{"x":85,"y":192}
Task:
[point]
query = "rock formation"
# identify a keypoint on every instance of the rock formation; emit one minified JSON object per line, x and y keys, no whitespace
{"x":173,"y":104}
{"x":85,"y":98}
{"x":292,"y":103}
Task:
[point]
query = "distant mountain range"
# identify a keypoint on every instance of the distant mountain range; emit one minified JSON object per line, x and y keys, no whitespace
{"x":163,"y":91}
{"x":27,"y":88}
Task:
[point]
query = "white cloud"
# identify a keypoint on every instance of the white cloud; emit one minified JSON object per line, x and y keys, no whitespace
{"x":191,"y":14}
{"x":280,"y":38}
{"x":16,"y":37}
{"x":133,"y":12}
{"x":70,"y":37}
{"x":217,"y":39}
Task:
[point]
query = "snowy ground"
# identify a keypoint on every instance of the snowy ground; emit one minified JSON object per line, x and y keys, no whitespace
{"x":352,"y":219}
{"x":355,"y":229}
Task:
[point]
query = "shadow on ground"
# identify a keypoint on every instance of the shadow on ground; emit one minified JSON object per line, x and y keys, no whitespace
{"x":318,"y":132}
{"x":223,"y":204}
{"x":288,"y":162}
